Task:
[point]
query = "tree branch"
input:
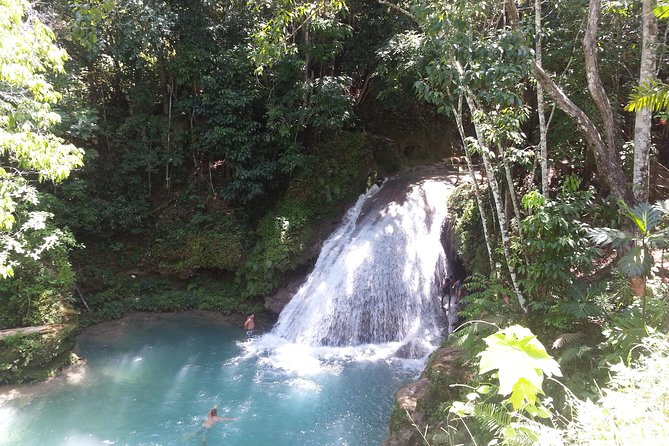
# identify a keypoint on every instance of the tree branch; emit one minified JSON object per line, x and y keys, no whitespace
{"x":595,"y":84}
{"x":606,"y":159}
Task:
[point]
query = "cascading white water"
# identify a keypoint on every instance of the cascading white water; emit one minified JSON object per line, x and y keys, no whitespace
{"x":377,"y":277}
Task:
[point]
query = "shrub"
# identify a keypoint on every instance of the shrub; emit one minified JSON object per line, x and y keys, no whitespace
{"x":634,"y":406}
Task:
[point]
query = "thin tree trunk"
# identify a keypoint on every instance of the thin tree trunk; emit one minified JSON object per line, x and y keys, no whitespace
{"x":477,"y":192}
{"x":543,"y":144}
{"x":512,"y":188}
{"x":169,"y":133}
{"x":501,"y":216}
{"x":643,"y":118}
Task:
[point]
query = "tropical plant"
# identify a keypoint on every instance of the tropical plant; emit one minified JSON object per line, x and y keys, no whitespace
{"x":553,"y":241}
{"x":650,"y":223}
{"x":509,"y":407}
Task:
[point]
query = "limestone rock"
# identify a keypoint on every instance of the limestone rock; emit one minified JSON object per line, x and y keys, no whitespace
{"x":417,"y":400}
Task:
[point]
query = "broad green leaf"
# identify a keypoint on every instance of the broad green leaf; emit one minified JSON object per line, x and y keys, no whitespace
{"x":608,"y":237}
{"x":524,"y":390}
{"x":635,"y":262}
{"x":518,"y":357}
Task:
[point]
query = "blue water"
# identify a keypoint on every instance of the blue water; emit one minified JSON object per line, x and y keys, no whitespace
{"x":152,"y":383}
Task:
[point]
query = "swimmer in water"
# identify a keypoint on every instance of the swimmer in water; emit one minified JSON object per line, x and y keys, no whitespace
{"x":213,"y":418}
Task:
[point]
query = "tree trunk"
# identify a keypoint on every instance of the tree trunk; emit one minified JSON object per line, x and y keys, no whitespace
{"x":595,"y":84}
{"x":472,"y":173}
{"x":512,"y":187}
{"x":643,"y":118}
{"x":543,"y":144}
{"x":606,"y":158}
{"x":499,"y":206}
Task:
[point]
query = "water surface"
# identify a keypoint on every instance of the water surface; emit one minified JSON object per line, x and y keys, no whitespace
{"x":151,"y":382}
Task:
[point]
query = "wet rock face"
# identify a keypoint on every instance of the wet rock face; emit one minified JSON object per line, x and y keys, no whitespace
{"x":417,"y":400}
{"x":280,"y":299}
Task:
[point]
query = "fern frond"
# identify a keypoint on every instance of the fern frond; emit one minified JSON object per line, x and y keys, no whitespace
{"x":573,"y":353}
{"x":566,"y":339}
{"x":502,"y":424}
{"x":492,"y":417}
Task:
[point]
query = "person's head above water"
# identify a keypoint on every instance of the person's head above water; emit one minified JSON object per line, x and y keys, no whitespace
{"x":213,"y":412}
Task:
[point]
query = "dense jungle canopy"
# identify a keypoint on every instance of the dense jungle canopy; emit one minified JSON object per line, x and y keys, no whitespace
{"x":164,"y":155}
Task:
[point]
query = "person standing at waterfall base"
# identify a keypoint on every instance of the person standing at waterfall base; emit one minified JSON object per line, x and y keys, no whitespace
{"x":446,"y":291}
{"x":457,"y":286}
{"x":249,"y":325}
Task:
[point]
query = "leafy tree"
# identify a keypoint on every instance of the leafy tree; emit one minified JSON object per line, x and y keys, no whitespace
{"x":30,"y":151}
{"x":554,"y":241}
{"x":486,"y":64}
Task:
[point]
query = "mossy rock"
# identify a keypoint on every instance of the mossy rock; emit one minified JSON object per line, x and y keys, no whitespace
{"x":35,"y":357}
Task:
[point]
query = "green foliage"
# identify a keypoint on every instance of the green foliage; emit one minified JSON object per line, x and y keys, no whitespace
{"x":470,"y":52}
{"x":520,"y":363}
{"x":217,"y":249}
{"x":272,"y":40}
{"x":626,"y":327}
{"x":40,"y":290}
{"x":126,"y":295}
{"x":488,"y":299}
{"x":632,"y":408}
{"x":467,"y":229}
{"x":652,"y":95}
{"x":469,"y":337}
{"x":31,"y":358}
{"x":233,"y":136}
{"x":209,"y":241}
{"x":647,"y":219}
{"x":28,"y":55}
{"x":283,"y":236}
{"x":553,"y":241}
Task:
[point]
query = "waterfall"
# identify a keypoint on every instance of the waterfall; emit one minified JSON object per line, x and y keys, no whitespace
{"x":377,"y":277}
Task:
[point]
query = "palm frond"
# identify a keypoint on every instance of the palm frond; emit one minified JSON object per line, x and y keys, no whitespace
{"x":659,"y":240}
{"x":636,"y":262}
{"x":663,"y":206}
{"x":661,"y":11}
{"x":608,"y":236}
{"x":624,"y":332}
{"x":650,"y":95}
{"x":580,"y":309}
